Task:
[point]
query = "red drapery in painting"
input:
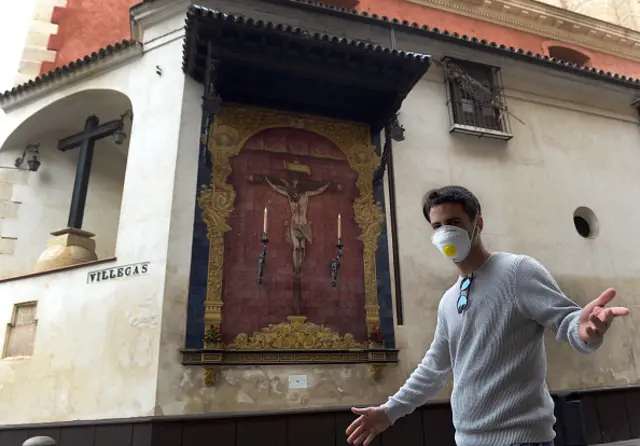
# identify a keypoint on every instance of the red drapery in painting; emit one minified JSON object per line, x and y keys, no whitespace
{"x":249,"y":306}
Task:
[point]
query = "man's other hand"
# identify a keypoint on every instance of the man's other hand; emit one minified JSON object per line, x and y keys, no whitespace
{"x":370,"y":422}
{"x":595,"y":318}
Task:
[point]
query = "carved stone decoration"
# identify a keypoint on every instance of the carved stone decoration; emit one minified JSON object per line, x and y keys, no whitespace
{"x":233,"y":127}
{"x":548,"y":20}
{"x":297,"y":334}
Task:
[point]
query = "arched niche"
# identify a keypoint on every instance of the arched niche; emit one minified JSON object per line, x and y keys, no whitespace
{"x":568,"y":53}
{"x":39,"y":201}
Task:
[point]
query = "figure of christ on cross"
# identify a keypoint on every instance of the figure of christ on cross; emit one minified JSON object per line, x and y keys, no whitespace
{"x":298,"y":233}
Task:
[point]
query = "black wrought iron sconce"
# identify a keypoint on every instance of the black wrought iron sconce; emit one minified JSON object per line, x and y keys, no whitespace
{"x":212,"y":103}
{"x":335,"y":264}
{"x":396,"y":129}
{"x":119,"y":136}
{"x":636,"y":104}
{"x":32,"y":151}
{"x":393,"y":131}
{"x":262,"y":258}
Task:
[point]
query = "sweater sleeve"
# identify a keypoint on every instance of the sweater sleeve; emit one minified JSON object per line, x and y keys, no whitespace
{"x":430,"y":377}
{"x":539,"y":298}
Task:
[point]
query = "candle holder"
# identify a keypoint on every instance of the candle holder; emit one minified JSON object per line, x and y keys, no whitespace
{"x":335,"y":264}
{"x":262,"y":258}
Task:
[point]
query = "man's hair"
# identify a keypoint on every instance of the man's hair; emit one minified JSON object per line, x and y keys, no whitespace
{"x":451,"y":194}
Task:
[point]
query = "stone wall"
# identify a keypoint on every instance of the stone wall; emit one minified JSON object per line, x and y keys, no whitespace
{"x":10,"y":180}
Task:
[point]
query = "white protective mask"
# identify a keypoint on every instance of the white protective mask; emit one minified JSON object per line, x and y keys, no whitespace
{"x":453,"y":242}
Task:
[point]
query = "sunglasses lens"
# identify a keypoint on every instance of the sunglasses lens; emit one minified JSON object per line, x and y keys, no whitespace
{"x":466,"y":282}
{"x":462,"y":303}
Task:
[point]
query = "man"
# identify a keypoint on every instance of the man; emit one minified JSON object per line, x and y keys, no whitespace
{"x":489,"y":332}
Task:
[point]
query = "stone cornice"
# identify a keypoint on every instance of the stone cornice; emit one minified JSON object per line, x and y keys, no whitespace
{"x":149,"y":13}
{"x":546,"y":20}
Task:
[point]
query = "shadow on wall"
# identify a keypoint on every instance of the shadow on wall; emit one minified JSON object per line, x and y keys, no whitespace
{"x":35,"y":203}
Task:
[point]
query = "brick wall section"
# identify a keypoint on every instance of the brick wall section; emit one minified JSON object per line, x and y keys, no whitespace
{"x":9,"y":178}
{"x":85,"y":26}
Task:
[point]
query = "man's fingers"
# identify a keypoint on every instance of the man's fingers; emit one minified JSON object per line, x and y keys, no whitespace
{"x":606,"y":315}
{"x":361,"y":411}
{"x":591,"y":332}
{"x":369,"y":439}
{"x":356,"y":433}
{"x":356,"y":424}
{"x":602,"y":300}
{"x":361,"y":438}
{"x":599,"y":325}
{"x":619,"y":311}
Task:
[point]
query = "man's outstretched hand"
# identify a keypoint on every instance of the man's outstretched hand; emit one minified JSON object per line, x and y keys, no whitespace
{"x":371,"y":422}
{"x":595,"y":318}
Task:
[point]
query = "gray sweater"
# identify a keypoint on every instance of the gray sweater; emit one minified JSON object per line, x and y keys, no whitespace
{"x":496,"y":351}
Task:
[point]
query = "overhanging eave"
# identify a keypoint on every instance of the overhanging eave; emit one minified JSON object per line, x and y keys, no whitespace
{"x":290,"y":68}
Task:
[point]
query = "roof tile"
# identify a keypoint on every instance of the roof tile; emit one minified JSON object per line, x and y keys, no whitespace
{"x":67,"y":69}
{"x":480,"y":43}
{"x":201,"y":11}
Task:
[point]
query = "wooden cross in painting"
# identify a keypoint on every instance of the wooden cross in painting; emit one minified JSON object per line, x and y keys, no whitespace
{"x":298,"y":192}
{"x":86,"y":140}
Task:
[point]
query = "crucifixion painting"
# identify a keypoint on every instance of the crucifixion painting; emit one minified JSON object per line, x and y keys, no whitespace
{"x":298,"y":233}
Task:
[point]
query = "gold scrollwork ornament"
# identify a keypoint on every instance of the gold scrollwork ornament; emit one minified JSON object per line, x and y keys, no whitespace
{"x":297,"y":334}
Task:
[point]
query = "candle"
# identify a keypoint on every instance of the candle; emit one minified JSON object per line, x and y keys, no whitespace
{"x":264,"y":221}
{"x":339,"y":226}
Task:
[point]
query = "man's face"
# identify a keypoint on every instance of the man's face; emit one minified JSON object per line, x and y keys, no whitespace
{"x":452,"y":214}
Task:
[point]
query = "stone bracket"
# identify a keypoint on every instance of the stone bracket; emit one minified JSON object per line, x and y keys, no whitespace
{"x":213,"y":359}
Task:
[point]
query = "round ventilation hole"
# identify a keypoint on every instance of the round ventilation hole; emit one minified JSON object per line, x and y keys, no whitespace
{"x":585,"y":222}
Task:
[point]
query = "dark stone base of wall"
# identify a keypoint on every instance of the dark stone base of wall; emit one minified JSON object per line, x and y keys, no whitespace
{"x":584,"y":418}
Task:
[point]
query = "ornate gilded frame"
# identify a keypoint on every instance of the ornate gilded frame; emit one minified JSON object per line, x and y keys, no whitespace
{"x":233,"y":127}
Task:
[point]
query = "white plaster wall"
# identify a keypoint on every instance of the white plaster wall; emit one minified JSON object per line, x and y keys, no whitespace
{"x":97,"y":346}
{"x":174,"y":313}
{"x":43,"y":198}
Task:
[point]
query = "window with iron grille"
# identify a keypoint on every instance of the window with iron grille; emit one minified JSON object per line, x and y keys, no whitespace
{"x":21,"y":331}
{"x":475,"y":98}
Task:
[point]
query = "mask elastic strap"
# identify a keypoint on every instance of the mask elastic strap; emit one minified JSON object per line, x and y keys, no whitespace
{"x":473,"y":231}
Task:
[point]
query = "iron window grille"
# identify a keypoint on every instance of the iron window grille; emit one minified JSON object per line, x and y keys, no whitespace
{"x":476,"y":99}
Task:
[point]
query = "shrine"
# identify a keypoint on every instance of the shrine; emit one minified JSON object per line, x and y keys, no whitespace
{"x":287,"y":197}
